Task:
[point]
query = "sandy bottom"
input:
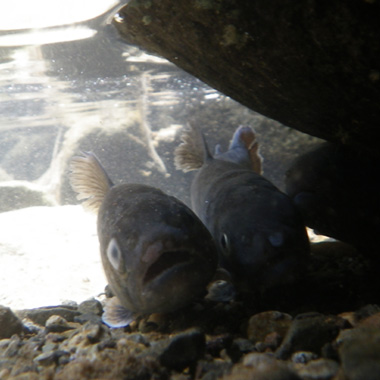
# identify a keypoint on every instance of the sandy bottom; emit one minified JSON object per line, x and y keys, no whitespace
{"x":49,"y":255}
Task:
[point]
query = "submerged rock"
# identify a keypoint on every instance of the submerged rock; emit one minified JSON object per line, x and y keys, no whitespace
{"x":91,"y":350}
{"x":41,"y":315}
{"x":309,"y":332}
{"x":262,"y":324}
{"x":336,"y":189}
{"x":359,"y":352}
{"x":15,"y":195}
{"x":9,"y":323}
{"x":322,"y":77}
{"x":183,"y":350}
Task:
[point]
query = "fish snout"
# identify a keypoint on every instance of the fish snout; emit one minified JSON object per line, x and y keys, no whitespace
{"x":161,"y":257}
{"x":171,"y":276}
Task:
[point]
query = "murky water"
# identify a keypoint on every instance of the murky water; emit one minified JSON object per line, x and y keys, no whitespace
{"x":56,"y":99}
{"x":43,"y":100}
{"x":60,"y":95}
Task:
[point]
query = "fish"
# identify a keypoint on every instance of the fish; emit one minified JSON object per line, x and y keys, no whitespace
{"x":259,"y":233}
{"x":156,"y":253}
{"x":335,"y":187}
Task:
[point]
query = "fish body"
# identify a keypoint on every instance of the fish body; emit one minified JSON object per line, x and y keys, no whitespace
{"x":156,"y":253}
{"x":260,"y":235}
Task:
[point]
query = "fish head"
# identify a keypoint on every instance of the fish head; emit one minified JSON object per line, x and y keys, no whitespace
{"x":158,"y":262}
{"x":261,"y":257}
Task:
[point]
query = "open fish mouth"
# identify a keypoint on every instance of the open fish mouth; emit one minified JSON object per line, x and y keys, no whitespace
{"x":166,"y":261}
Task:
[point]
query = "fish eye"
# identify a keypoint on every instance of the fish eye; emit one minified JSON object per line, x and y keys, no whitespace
{"x":276,"y":239}
{"x":225,"y":243}
{"x":114,"y":253}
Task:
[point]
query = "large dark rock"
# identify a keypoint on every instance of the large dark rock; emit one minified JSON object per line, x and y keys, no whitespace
{"x":9,"y":323}
{"x":336,"y":190}
{"x":312,"y":65}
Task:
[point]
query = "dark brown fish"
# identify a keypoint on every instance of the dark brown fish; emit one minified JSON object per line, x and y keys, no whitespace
{"x":260,"y":235}
{"x":157,"y":255}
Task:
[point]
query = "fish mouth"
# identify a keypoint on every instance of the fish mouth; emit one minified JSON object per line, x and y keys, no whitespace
{"x":166,"y":261}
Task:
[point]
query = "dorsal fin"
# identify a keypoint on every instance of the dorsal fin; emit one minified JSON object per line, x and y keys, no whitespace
{"x":89,"y":180}
{"x":246,"y":136}
{"x":193,"y":152}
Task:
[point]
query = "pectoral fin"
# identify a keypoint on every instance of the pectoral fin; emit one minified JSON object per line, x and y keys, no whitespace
{"x":116,"y":315}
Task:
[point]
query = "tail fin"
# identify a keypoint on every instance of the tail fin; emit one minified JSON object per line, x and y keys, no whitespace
{"x":89,"y":180}
{"x":193,"y":152}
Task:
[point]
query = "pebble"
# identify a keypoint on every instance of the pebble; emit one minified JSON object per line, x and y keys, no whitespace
{"x":50,"y":357}
{"x":239,"y":347}
{"x":258,"y":360}
{"x":4,"y":373}
{"x":371,"y":321}
{"x":9,"y":323}
{"x":215,"y":344}
{"x":262,"y":324}
{"x":265,"y":346}
{"x":309,"y":332}
{"x":367,"y":311}
{"x":320,"y":369}
{"x":359,"y":352}
{"x":137,"y":338}
{"x":263,"y":369}
{"x":221,"y":291}
{"x":12,"y":347}
{"x":56,"y":323}
{"x":93,"y":332}
{"x":362,"y":315}
{"x":91,"y":306}
{"x":183,"y":350}
{"x":207,"y":370}
{"x":303,"y":357}
{"x":41,"y":315}
{"x":88,"y":317}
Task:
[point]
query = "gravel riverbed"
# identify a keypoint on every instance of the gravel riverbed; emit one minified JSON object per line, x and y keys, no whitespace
{"x":325,"y":326}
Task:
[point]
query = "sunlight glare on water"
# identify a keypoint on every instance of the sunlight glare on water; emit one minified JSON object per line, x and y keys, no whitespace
{"x":68,"y":84}
{"x":25,"y":14}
